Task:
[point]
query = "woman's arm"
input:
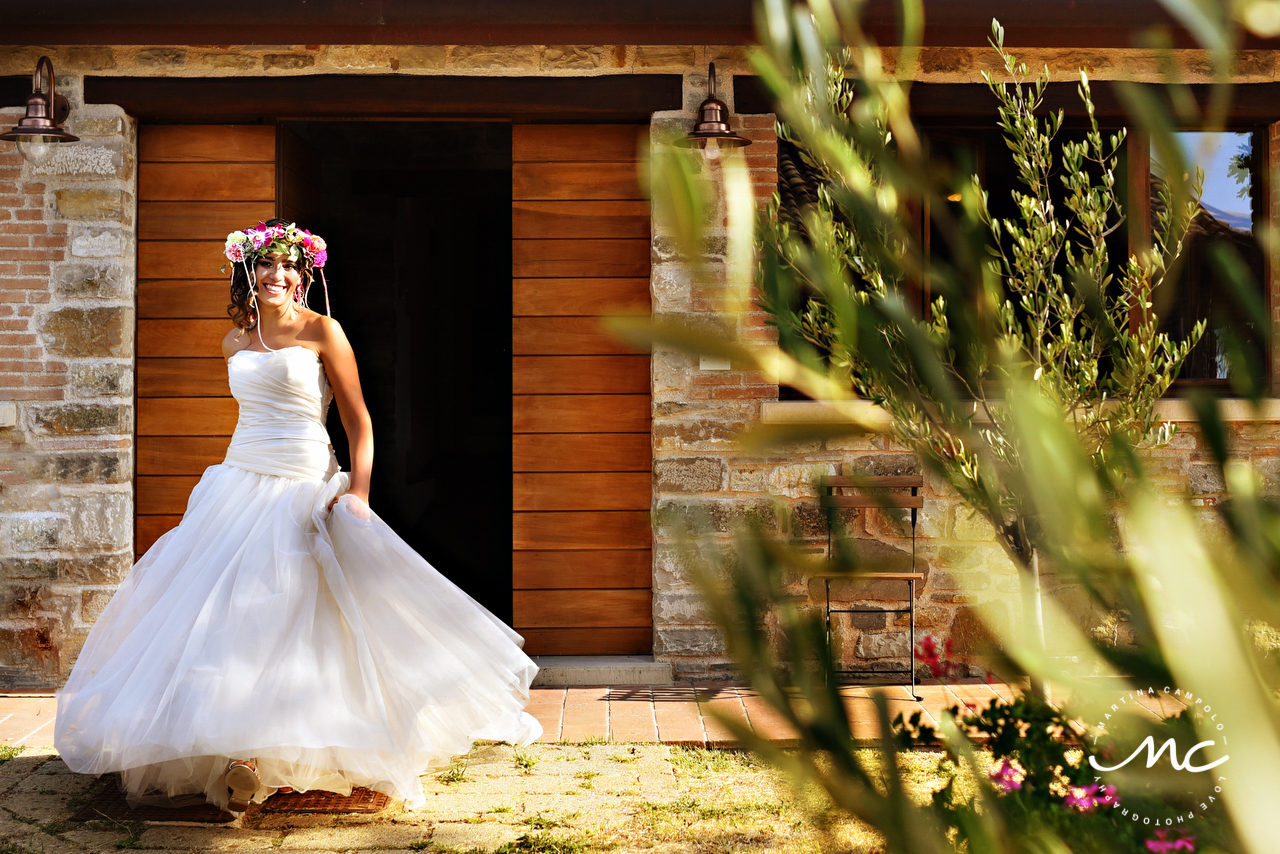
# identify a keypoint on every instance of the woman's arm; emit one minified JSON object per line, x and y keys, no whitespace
{"x":344,"y":379}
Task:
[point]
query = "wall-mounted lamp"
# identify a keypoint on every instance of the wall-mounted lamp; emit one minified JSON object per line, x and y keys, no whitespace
{"x":38,"y":131}
{"x":712,"y":133}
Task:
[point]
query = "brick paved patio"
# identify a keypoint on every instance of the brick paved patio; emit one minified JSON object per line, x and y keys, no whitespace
{"x":667,"y":714}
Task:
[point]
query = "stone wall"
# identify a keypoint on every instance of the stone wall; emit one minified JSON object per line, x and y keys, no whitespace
{"x":66,"y":389}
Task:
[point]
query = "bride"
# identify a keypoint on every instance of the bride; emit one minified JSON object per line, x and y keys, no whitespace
{"x":282,"y":636}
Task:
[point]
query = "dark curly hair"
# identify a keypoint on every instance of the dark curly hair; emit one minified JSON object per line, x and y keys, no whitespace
{"x":240,"y":310}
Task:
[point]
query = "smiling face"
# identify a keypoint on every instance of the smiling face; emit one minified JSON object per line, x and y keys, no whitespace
{"x":279,"y":274}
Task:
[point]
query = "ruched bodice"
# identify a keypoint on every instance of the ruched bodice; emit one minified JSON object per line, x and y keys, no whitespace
{"x":283,"y":396}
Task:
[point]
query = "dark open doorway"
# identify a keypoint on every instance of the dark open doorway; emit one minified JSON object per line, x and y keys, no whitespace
{"x":418,"y":221}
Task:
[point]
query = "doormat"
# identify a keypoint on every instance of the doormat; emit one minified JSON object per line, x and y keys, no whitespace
{"x":360,"y":800}
{"x":108,"y":803}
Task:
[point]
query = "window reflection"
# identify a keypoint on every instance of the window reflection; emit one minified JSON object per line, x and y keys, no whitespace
{"x":1230,"y":207}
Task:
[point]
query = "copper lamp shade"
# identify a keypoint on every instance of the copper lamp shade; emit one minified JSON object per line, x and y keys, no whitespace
{"x":38,"y":131}
{"x":713,"y":121}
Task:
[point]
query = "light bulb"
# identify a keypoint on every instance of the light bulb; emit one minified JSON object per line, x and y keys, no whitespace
{"x":37,"y":150}
{"x":712,"y":149}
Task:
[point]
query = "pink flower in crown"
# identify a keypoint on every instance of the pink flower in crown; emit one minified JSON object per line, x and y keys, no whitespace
{"x":259,"y":238}
{"x":321,"y":257}
{"x":318,"y":244}
{"x":235,"y":252}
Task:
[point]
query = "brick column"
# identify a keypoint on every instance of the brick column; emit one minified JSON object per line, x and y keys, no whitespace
{"x":66,"y":398}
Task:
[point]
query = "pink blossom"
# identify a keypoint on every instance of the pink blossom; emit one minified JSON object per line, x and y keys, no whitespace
{"x":937,"y":660}
{"x":235,"y":252}
{"x":318,"y":244}
{"x":1162,"y":844}
{"x":258,"y":238}
{"x":1008,"y":776}
{"x":321,"y":257}
{"x":1086,"y":798}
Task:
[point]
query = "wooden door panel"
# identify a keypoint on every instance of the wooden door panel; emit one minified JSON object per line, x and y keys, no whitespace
{"x":546,"y":609}
{"x":565,"y":570}
{"x":187,"y":416}
{"x":630,"y":490}
{"x":583,"y":297}
{"x":182,"y":378}
{"x":637,"y":641}
{"x":580,"y":375}
{"x":179,"y":455}
{"x":609,"y":452}
{"x":571,"y":181}
{"x":165,"y":495}
{"x":183,"y":298}
{"x":151,"y":528}
{"x":618,"y":529}
{"x":199,"y":220}
{"x":580,"y":220}
{"x":176,"y":259}
{"x":566,"y":336}
{"x":580,"y":258}
{"x":581,"y":408}
{"x":191,"y":338}
{"x":581,"y":413}
{"x":207,"y":143}
{"x":577,"y":143}
{"x":207,"y":182}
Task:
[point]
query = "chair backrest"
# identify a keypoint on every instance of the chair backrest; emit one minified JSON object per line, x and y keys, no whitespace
{"x":872,"y":491}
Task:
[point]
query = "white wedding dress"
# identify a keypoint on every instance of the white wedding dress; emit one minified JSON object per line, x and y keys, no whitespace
{"x":266,"y":626}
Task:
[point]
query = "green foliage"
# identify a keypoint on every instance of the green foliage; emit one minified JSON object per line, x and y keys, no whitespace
{"x":9,"y":751}
{"x":1029,"y":386}
{"x":455,"y":773}
{"x":525,"y":761}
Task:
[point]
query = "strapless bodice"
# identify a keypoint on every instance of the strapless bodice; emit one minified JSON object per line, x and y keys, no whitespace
{"x":283,"y":396}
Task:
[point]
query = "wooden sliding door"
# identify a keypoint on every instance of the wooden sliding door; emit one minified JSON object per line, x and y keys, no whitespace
{"x":196,"y":183}
{"x":581,"y":405}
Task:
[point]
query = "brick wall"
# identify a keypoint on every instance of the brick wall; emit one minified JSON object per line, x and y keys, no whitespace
{"x":66,"y":374}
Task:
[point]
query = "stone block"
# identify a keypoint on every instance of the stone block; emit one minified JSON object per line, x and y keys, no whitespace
{"x":972,"y":526}
{"x":92,"y":204}
{"x":357,"y":56}
{"x":101,"y":520}
{"x":71,"y":418}
{"x":688,"y":642}
{"x":665,"y":56}
{"x":670,"y":284}
{"x":799,"y":480}
{"x":1206,"y":479}
{"x":98,"y":125}
{"x":689,"y":474}
{"x":105,"y":159}
{"x":748,"y":478}
{"x":92,"y":603}
{"x":229,"y":61}
{"x":96,"y":569}
{"x":884,"y":645}
{"x":683,"y":609}
{"x":288,"y":61}
{"x":88,"y":331}
{"x":161,"y":57}
{"x":412,"y":57}
{"x":18,"y":568}
{"x":883,"y":465}
{"x":90,"y":58}
{"x":969,"y":632}
{"x":23,"y":601}
{"x":78,"y":281}
{"x":29,"y":532}
{"x":90,"y":242}
{"x":479,"y":57}
{"x":102,"y":380}
{"x":76,"y":467}
{"x":576,"y":56}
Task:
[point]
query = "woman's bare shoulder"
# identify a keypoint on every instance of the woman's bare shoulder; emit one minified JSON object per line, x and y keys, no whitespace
{"x":234,"y":341}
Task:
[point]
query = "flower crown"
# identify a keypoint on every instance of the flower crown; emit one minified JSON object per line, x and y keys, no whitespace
{"x":245,"y":245}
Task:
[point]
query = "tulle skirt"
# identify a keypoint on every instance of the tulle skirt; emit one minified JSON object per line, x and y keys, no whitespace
{"x":265,"y":626}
